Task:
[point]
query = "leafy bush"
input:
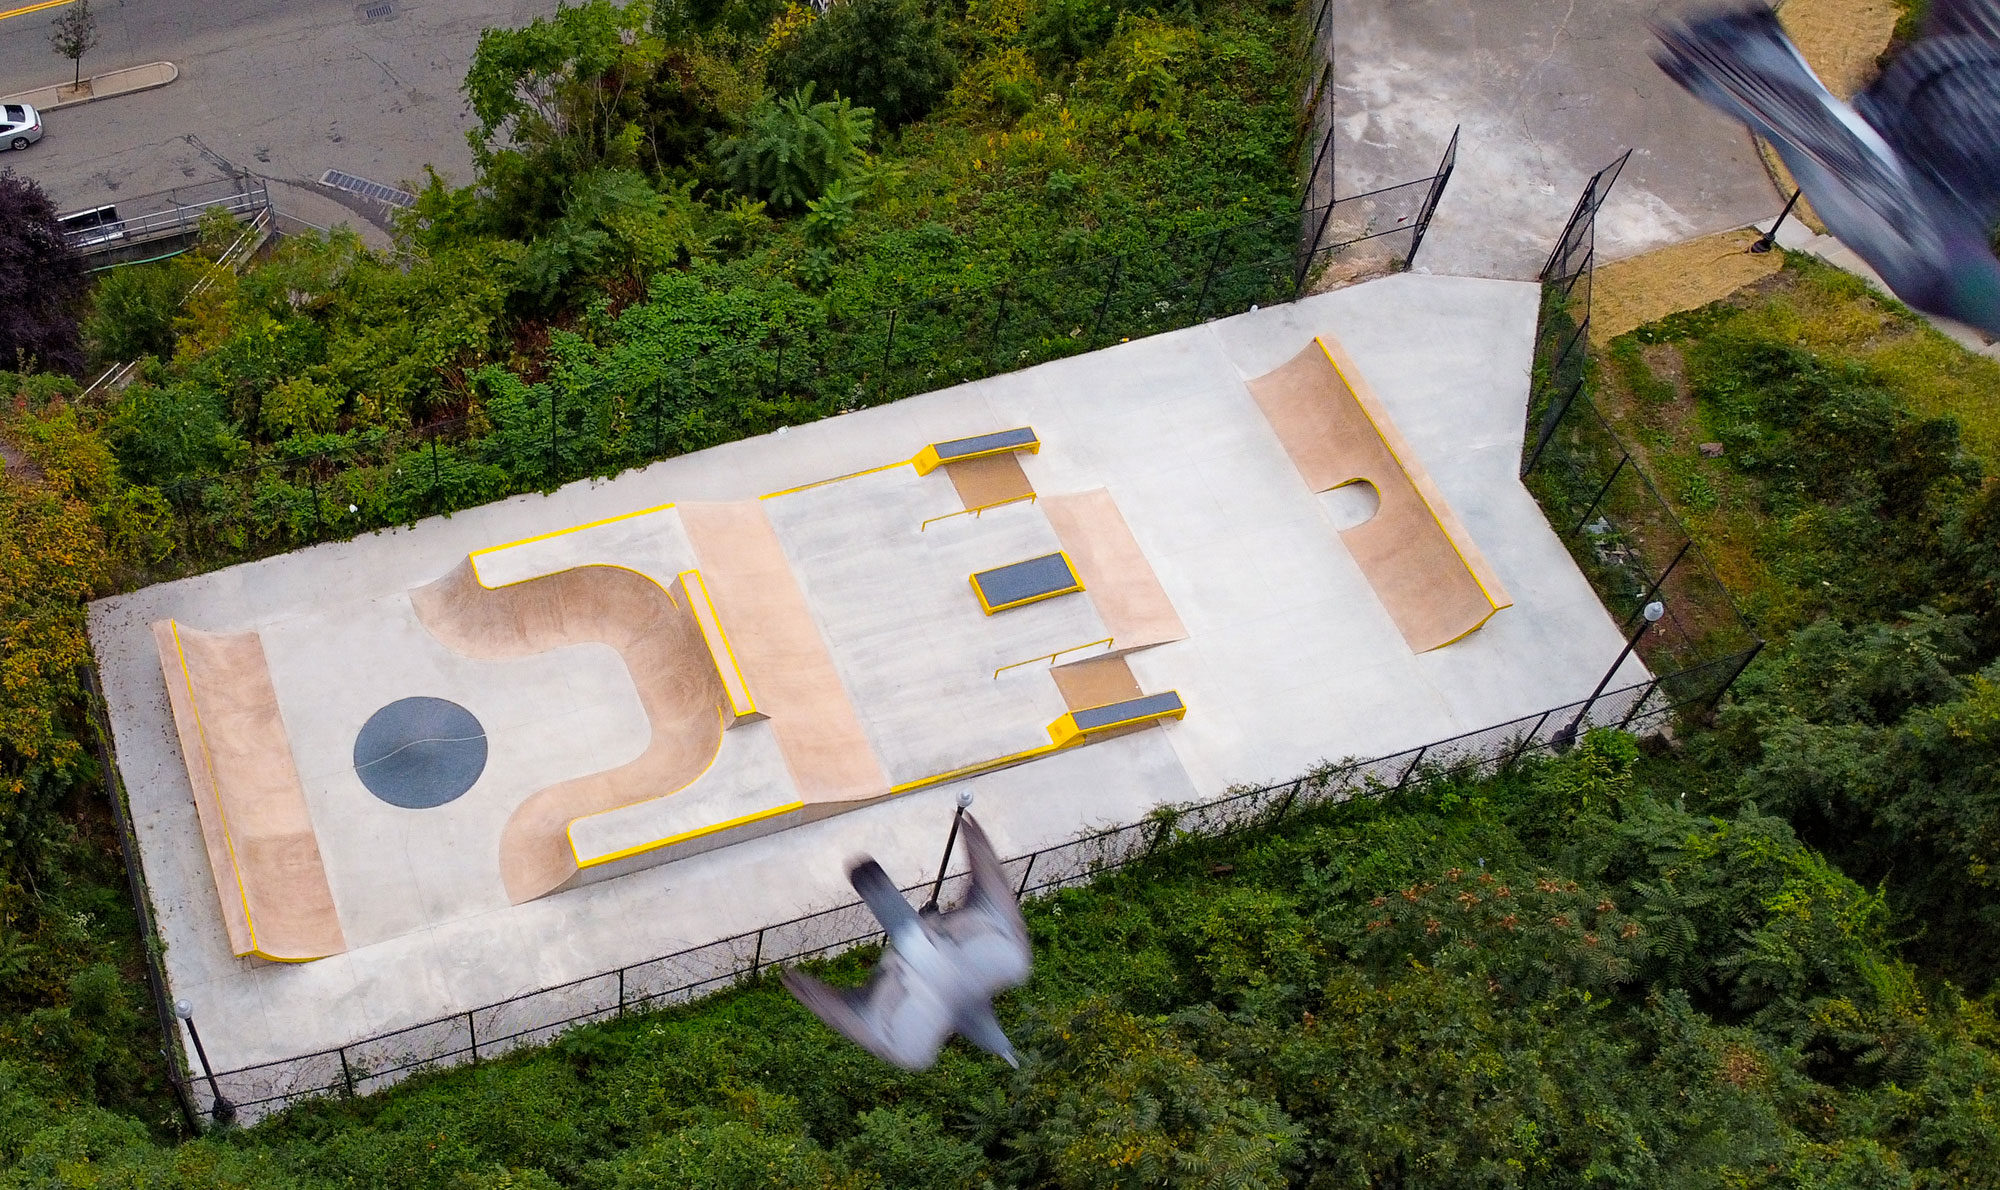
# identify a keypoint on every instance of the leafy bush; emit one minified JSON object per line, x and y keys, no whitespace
{"x":794,"y":149}
{"x":41,"y":282}
{"x":883,"y":54}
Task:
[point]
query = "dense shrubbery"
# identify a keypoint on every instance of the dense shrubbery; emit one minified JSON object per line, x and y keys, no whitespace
{"x":1573,"y":975}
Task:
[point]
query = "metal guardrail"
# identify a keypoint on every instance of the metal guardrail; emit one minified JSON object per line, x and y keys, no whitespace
{"x":247,"y":197}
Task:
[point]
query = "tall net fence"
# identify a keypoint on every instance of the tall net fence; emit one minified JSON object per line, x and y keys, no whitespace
{"x":537,"y":1017}
{"x":1618,"y":526}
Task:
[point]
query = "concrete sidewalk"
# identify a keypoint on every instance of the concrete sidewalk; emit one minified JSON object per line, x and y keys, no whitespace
{"x":98,"y":86}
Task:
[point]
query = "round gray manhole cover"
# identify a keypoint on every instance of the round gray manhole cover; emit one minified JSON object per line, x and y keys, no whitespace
{"x":420,"y":752}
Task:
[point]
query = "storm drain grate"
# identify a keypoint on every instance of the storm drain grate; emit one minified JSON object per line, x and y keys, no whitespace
{"x":367,"y":189}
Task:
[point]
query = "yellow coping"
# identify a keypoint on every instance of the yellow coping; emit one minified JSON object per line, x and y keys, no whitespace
{"x":1389,"y":446}
{"x":215,"y":792}
{"x":741,"y":702}
{"x":684,"y":836}
{"x":927,"y":459}
{"x":610,"y":520}
{"x":1063,"y":733}
{"x":820,"y":483}
{"x":1066,"y":733}
{"x":990,"y":608}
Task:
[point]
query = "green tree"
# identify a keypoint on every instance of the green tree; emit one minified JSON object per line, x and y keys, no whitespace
{"x":884,"y":54}
{"x":41,"y":282}
{"x":794,"y":148}
{"x":133,"y":310}
{"x":74,"y":34}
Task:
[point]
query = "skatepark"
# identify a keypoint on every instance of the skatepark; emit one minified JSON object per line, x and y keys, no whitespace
{"x":382,"y":780}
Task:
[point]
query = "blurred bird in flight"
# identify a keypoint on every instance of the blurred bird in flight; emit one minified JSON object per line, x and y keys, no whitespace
{"x":1909,"y":175}
{"x":940,"y":973}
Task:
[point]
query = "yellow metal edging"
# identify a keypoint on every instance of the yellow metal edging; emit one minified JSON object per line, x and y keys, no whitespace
{"x":1050,"y":656}
{"x":215,"y":792}
{"x":1065,"y":732}
{"x":927,"y":460}
{"x":1031,"y":497}
{"x":973,"y":770}
{"x":728,"y":649}
{"x":990,"y":608}
{"x":474,"y":556}
{"x":685,"y":836}
{"x":1491,"y":602}
{"x":820,"y":483}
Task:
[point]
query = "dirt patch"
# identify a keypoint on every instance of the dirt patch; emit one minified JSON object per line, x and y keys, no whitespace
{"x":15,"y":464}
{"x":1627,"y":294}
{"x":1664,"y":361}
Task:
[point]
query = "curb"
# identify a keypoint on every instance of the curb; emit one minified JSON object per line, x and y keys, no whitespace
{"x":102,"y":86}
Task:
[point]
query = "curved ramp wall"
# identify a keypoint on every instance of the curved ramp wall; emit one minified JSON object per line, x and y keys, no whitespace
{"x":1420,"y":560}
{"x":664,"y":650}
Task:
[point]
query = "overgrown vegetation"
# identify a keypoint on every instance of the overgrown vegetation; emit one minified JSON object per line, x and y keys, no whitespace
{"x":1582,"y":973}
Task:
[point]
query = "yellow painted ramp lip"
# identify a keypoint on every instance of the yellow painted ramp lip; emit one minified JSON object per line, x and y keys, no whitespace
{"x":685,"y":836}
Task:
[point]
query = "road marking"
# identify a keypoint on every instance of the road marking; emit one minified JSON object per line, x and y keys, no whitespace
{"x":26,"y":9}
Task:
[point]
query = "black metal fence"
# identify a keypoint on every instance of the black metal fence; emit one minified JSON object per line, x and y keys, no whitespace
{"x":536,"y":1017}
{"x":1624,"y":535}
{"x":543,"y":436}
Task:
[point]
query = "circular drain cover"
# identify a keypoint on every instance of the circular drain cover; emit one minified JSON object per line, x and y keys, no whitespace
{"x":420,"y":752}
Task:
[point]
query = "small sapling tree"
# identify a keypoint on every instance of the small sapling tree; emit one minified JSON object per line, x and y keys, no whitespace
{"x":74,"y":35}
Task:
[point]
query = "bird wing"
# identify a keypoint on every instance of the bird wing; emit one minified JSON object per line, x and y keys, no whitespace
{"x":885,"y":1016}
{"x":986,"y":933}
{"x":1975,"y":18}
{"x":1938,"y":104}
{"x":886,"y":902}
{"x":1740,"y":62}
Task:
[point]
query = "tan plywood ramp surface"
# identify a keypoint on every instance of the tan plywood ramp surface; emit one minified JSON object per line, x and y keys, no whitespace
{"x":1120,"y":582}
{"x":663,"y":649}
{"x":276,"y":903}
{"x":989,"y":480}
{"x":1098,"y":682}
{"x":784,"y":658}
{"x":1424,"y":566}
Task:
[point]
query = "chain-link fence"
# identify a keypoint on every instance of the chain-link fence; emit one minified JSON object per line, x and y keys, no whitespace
{"x":1624,"y":535}
{"x":536,"y":1017}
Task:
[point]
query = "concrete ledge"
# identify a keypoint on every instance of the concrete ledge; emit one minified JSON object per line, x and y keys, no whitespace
{"x":98,"y":86}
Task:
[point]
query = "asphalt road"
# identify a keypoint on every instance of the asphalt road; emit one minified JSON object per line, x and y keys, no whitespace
{"x":283,"y":88}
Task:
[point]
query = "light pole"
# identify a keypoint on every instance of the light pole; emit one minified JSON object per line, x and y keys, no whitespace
{"x":1566,"y":738}
{"x":937,"y":886}
{"x":223,"y":1110}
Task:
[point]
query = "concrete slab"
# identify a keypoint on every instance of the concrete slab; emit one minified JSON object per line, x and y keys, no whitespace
{"x":1547,"y":94}
{"x":1289,"y":656}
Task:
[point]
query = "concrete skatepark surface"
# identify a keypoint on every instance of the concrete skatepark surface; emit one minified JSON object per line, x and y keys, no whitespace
{"x":1278,"y":645}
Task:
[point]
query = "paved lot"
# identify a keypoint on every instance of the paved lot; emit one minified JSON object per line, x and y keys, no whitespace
{"x":1547,"y":94}
{"x":284,"y":89}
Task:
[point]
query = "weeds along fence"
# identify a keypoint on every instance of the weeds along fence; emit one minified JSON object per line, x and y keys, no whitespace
{"x":601,"y":418}
{"x":1624,"y":535}
{"x":539,"y":1016}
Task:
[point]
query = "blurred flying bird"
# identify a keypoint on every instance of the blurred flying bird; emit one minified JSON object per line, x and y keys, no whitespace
{"x":940,"y":973}
{"x":1909,"y":176}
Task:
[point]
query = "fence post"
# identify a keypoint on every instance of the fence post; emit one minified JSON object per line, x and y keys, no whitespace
{"x":999,"y":324}
{"x":1285,"y":806}
{"x":1624,"y":458}
{"x":889,"y":345}
{"x":553,"y":464}
{"x":757,"y":958}
{"x":1110,"y":287}
{"x":346,"y":1072}
{"x":1025,"y":873}
{"x":1715,"y":699}
{"x":1633,"y":713}
{"x":1549,"y":424}
{"x":312,"y":482}
{"x":621,"y":991}
{"x":1419,"y":759}
{"x":437,"y":480}
{"x":472,"y":1031}
{"x":1528,"y":742}
{"x":1214,"y":260}
{"x":1659,"y":582}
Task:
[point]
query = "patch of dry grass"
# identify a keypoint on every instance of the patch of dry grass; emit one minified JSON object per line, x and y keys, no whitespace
{"x":1627,"y":294}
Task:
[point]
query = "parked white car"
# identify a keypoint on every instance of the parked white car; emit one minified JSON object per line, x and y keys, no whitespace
{"x":20,"y":125}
